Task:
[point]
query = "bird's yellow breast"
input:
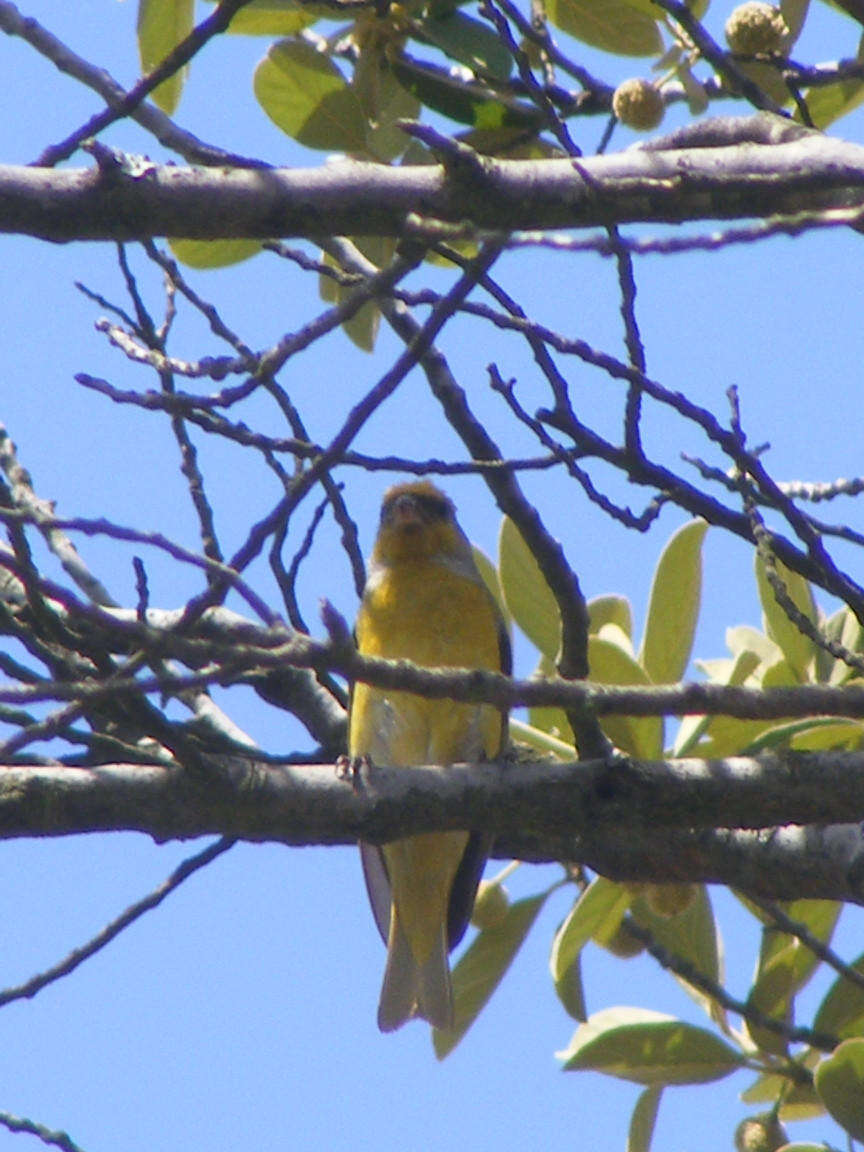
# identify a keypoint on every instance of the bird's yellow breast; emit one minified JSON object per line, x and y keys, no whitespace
{"x":431,"y":614}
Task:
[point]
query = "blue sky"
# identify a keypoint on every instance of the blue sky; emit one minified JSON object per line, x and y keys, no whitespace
{"x":242,"y":1012}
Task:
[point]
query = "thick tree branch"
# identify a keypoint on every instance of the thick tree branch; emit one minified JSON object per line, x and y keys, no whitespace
{"x":684,"y":820}
{"x":805,"y":171}
{"x":522,"y":803}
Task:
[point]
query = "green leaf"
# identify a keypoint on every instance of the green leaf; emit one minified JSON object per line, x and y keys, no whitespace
{"x":839,"y":1081}
{"x":640,"y":736}
{"x":649,"y":1048}
{"x":274,"y":18}
{"x":768,"y":77}
{"x":544,"y":741}
{"x":362,"y":327}
{"x":482,"y":967}
{"x":729,"y":736}
{"x":490,"y":578}
{"x":693,"y":729}
{"x":304,"y":94}
{"x":610,"y":25}
{"x":824,"y":734}
{"x":643,"y":1120}
{"x":841,"y":1013}
{"x":610,"y":610}
{"x":596,"y":915}
{"x":797,"y":1146}
{"x":385,"y":102}
{"x":742,"y":638}
{"x":213,"y":253}
{"x":692,"y":935}
{"x":465,"y":102}
{"x":785,"y":966}
{"x":526,"y":593}
{"x":796,"y":647}
{"x":673,"y":607}
{"x":162,"y":24}
{"x":571,"y":991}
{"x":697,"y":98}
{"x":850,"y":636}
{"x":469,"y":41}
{"x":813,"y":733}
{"x":800,"y":1101}
{"x":828,"y":104}
{"x":550,"y":719}
{"x":794,"y":14}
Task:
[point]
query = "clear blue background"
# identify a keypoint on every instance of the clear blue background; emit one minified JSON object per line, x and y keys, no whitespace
{"x":242,"y":1012}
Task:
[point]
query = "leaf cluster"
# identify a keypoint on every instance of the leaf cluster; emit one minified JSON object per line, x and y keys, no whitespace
{"x":799,"y":1071}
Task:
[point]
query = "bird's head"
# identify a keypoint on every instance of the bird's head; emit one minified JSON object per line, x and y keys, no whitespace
{"x":418,"y":522}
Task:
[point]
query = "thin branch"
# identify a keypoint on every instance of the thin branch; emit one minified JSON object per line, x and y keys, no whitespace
{"x":98,"y":79}
{"x":126,"y":105}
{"x":689,"y":972}
{"x":801,"y":932}
{"x":77,"y":956}
{"x":50,"y":1136}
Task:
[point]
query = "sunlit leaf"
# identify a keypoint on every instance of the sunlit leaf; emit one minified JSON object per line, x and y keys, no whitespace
{"x":693,"y":729}
{"x":514,"y":143}
{"x":545,"y":742}
{"x":800,"y":1101}
{"x":796,"y":647}
{"x":162,"y":24}
{"x":794,"y":14}
{"x":820,"y":736}
{"x":839,"y":1081}
{"x":526,"y":592}
{"x":697,"y":97}
{"x":692,"y":935}
{"x":827,"y":104}
{"x":362,"y":327}
{"x":472,"y":42}
{"x":490,"y":578}
{"x":384,"y":102}
{"x":768,"y":77}
{"x":640,"y":736}
{"x":642,"y":1121}
{"x":304,"y":94}
{"x":213,"y":253}
{"x":596,"y":915}
{"x":785,"y":966}
{"x":610,"y":610}
{"x":841,"y":1013}
{"x":467,"y":103}
{"x":743,"y":638}
{"x":673,"y":607}
{"x":275,"y":18}
{"x":816,"y":733}
{"x":850,"y":636}
{"x":610,"y":25}
{"x":571,"y":990}
{"x":649,"y":1048}
{"x":482,"y":968}
{"x":617,"y":636}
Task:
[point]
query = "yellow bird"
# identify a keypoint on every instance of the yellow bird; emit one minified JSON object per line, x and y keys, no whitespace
{"x":426,"y":602}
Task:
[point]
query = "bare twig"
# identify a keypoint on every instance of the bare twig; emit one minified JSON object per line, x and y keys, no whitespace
{"x":77,"y":956}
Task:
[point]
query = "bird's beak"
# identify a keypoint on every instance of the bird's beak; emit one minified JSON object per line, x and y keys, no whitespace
{"x":406,"y":514}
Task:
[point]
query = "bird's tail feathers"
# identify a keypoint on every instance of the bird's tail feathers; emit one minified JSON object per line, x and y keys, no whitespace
{"x":413,"y":989}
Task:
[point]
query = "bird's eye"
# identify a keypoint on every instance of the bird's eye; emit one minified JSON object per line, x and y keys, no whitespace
{"x":434,"y":507}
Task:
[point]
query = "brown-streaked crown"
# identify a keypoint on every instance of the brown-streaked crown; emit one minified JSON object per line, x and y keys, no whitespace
{"x":416,"y":500}
{"x":418,"y":522}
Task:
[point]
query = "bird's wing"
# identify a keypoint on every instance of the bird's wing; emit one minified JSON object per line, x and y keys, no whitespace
{"x":377,"y":886}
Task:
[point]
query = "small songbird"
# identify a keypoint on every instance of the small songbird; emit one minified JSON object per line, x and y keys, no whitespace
{"x":426,"y":602}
